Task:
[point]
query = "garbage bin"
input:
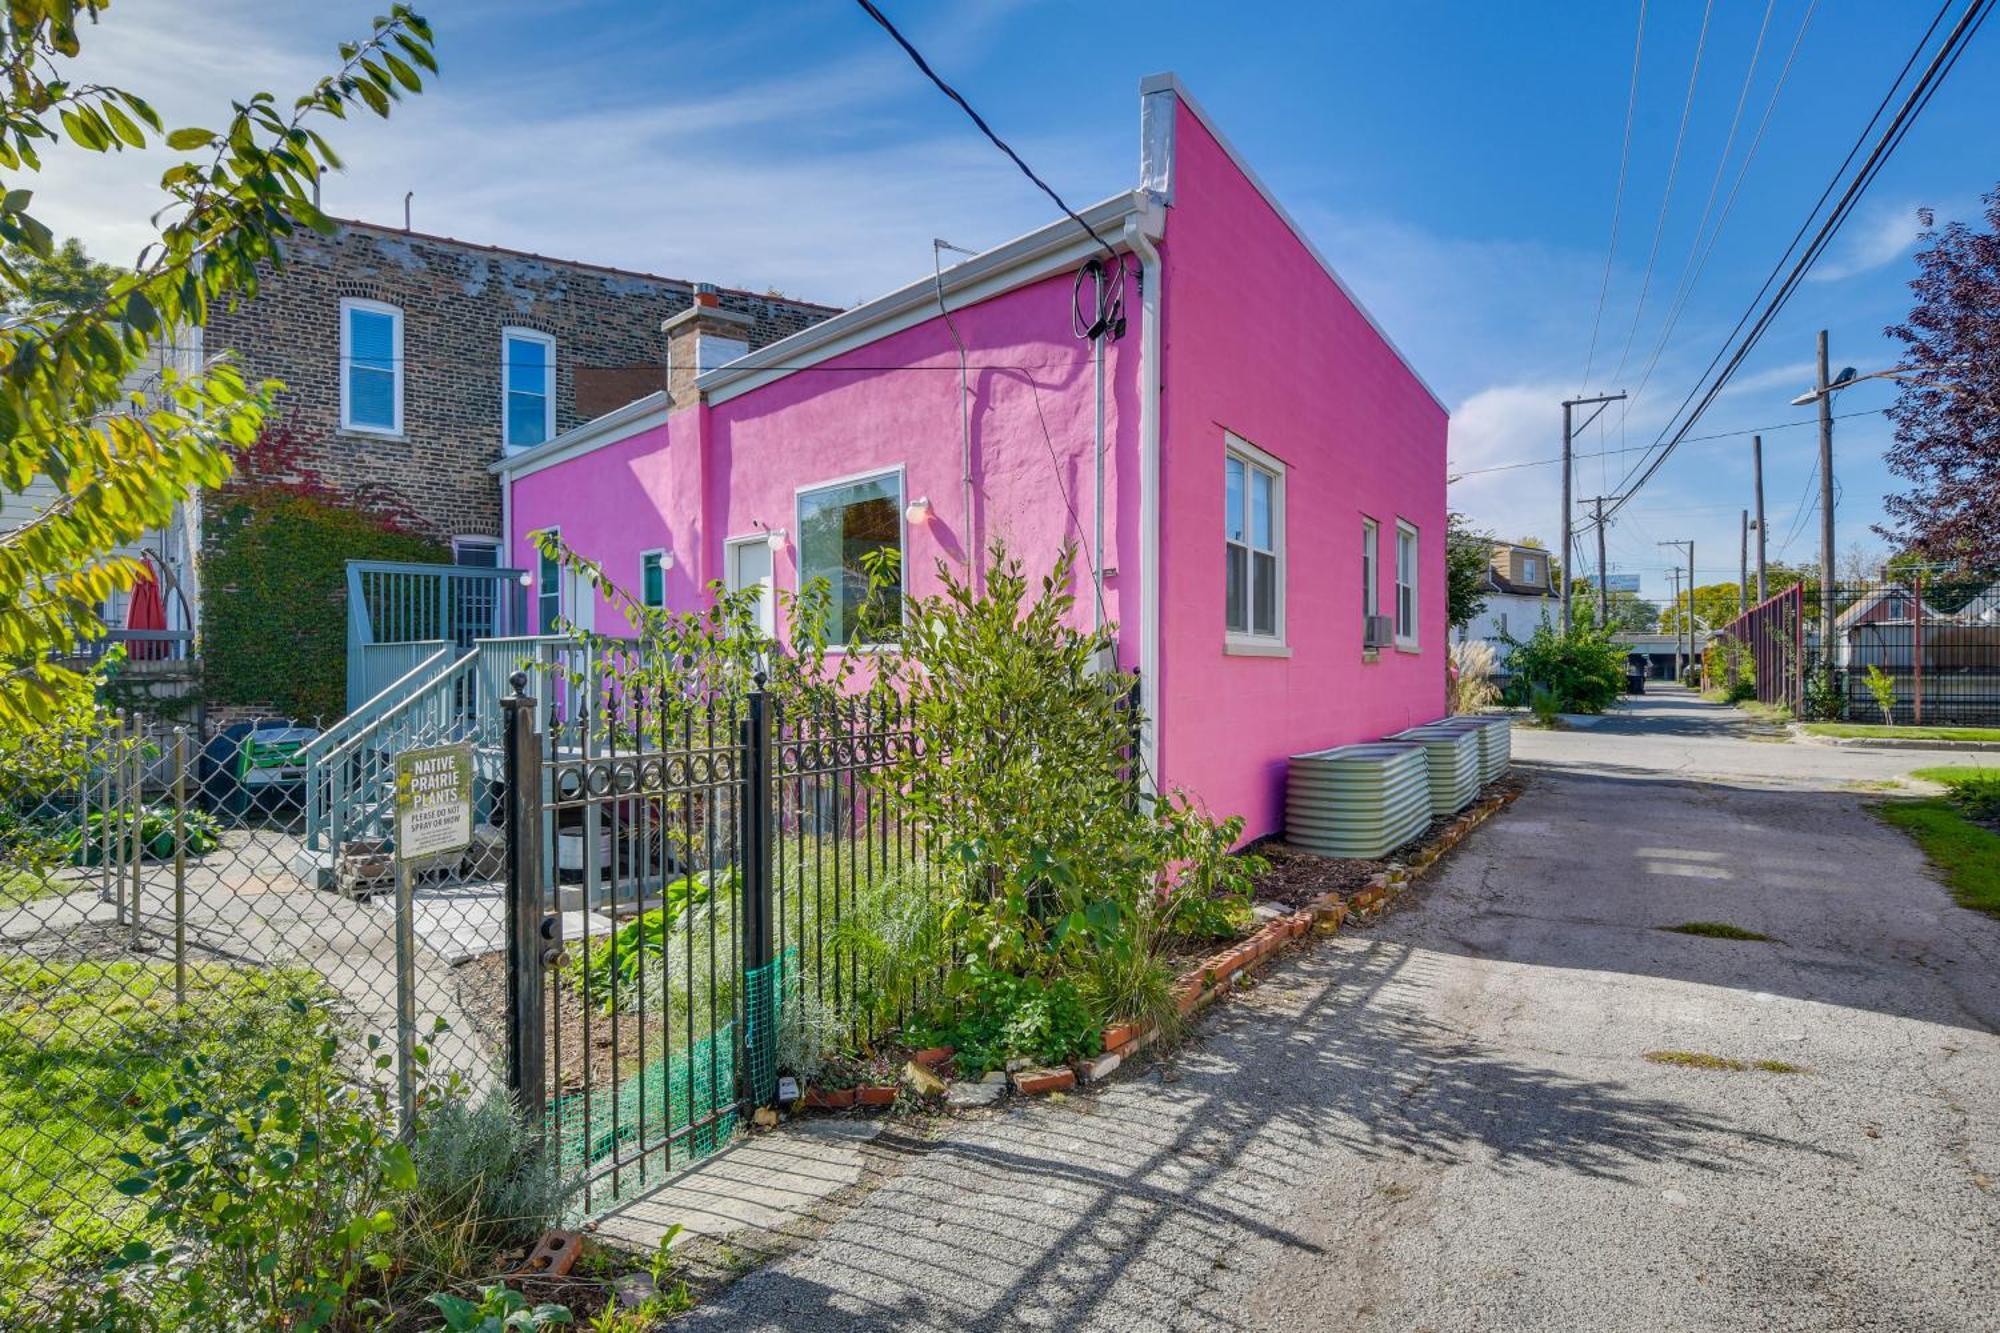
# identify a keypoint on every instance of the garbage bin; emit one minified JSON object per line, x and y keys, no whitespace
{"x":1635,"y":682}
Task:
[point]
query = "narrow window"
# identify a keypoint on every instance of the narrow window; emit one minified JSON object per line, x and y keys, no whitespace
{"x":1253,"y":491}
{"x":548,"y":591}
{"x":528,"y":367}
{"x":1371,"y":600}
{"x":371,"y":367}
{"x":839,"y":527}
{"x":1406,"y":585}
{"x":653,"y":578}
{"x":476,"y":552}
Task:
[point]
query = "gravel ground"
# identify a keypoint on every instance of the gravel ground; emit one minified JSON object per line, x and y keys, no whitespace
{"x":1448,"y":1122}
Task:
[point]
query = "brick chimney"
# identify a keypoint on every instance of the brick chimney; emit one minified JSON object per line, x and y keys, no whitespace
{"x":699,"y":338}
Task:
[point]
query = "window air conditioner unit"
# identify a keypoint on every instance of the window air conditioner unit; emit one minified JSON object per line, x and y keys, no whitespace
{"x":1378,"y":632}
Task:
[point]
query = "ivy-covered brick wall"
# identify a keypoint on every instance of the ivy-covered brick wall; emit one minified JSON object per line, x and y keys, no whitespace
{"x":275,"y":628}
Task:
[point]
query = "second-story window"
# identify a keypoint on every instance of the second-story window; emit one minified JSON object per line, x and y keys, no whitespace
{"x":528,"y":369}
{"x":371,"y":367}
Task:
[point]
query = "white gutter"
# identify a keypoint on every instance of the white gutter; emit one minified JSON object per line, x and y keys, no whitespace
{"x":1152,"y":698}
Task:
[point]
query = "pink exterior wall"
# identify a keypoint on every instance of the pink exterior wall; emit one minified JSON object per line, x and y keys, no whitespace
{"x":1257,"y":340}
{"x":893,"y":403}
{"x":1261,"y":342}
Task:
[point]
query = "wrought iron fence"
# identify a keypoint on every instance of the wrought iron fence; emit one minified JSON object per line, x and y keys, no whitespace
{"x":1920,"y":650}
{"x":708,"y":874}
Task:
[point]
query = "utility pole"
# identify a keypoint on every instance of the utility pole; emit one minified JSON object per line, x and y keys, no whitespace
{"x":1675,"y":575}
{"x":1596,"y":503}
{"x":1757,"y":467}
{"x":1743,"y":569}
{"x":1570,"y":431}
{"x":1688,"y":616}
{"x":1825,"y":391}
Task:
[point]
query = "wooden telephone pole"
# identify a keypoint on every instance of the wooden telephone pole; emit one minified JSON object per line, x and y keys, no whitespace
{"x":1569,"y":435}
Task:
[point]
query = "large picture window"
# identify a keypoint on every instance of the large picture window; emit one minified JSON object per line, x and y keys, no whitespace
{"x":371,"y":367}
{"x":1253,"y":532}
{"x":839,"y":526}
{"x":528,"y":364}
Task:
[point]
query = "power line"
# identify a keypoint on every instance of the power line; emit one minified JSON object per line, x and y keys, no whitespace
{"x":1898,"y":128}
{"x":979,"y":120}
{"x":1617,"y":200}
{"x":1639,"y":448}
{"x":1689,"y":274}
{"x":1666,"y":198}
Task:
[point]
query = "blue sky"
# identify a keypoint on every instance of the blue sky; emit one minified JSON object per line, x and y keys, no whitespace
{"x":1456,"y":162}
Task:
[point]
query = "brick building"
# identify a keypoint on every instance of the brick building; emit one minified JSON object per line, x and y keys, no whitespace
{"x":411,"y":362}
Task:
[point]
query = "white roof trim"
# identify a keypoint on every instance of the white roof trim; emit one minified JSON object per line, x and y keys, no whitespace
{"x":622,"y":423}
{"x":1053,"y":248}
{"x":1171,"y":83}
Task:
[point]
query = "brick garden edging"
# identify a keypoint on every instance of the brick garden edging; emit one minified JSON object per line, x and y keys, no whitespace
{"x":1213,"y":975}
{"x":1324,"y":915}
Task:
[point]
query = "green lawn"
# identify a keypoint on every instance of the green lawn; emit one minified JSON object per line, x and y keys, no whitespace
{"x":1959,"y":832}
{"x":1848,"y":730}
{"x":83,"y":1045}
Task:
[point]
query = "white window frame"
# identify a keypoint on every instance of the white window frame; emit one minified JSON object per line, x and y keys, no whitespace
{"x":576,"y":597}
{"x":1371,"y":567}
{"x":1249,"y":643}
{"x":349,"y":304}
{"x":767,"y":610}
{"x":654,"y":553}
{"x":799,"y":536}
{"x":1409,"y":642}
{"x":513,"y":333}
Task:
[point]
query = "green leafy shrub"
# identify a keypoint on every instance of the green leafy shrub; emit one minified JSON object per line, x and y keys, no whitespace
{"x":1583,"y":669}
{"x":499,"y":1309}
{"x":1882,"y":687}
{"x":280,"y":1197}
{"x":1007,"y":1016}
{"x":85,"y":841}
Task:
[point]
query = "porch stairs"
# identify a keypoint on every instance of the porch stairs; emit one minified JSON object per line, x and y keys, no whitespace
{"x":442,"y":695}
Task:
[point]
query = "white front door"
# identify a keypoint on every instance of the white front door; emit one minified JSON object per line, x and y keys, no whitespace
{"x":750,"y":567}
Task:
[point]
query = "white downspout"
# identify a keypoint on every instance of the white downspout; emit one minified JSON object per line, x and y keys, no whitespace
{"x":1153,"y":698}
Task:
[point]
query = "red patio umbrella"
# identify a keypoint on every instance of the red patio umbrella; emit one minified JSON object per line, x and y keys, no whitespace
{"x":145,"y":611}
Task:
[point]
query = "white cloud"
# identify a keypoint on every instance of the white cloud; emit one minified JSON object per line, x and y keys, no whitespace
{"x":1879,"y":235}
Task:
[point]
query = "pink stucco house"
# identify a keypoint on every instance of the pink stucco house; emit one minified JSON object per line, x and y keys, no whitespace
{"x":1269,"y":472}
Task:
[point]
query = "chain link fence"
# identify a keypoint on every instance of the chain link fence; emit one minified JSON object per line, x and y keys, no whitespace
{"x":162,"y":896}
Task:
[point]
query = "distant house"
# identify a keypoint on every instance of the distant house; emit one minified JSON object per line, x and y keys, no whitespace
{"x":1520,"y":595}
{"x":1879,"y":629}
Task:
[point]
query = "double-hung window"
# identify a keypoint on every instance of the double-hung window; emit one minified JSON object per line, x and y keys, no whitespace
{"x":371,"y":367}
{"x":1253,"y":532}
{"x":1406,"y":585}
{"x":841,"y":526}
{"x":528,"y":394}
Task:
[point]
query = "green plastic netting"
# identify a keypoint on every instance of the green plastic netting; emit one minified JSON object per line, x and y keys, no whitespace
{"x":684,"y":1105}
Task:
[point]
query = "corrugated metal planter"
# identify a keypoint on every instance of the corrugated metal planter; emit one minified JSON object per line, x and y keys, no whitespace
{"x":1454,"y":756}
{"x":1357,"y":800}
{"x":1496,"y":740}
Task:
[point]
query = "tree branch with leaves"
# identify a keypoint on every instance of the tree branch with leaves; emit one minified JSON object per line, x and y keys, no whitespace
{"x":120,"y":460}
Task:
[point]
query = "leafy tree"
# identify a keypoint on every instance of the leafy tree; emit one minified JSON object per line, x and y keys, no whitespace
{"x":66,"y":279}
{"x":1467,"y":555}
{"x":1947,"y":410}
{"x":122,"y":461}
{"x":1629,"y":612}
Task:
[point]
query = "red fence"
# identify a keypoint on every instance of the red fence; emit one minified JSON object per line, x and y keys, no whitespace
{"x":1770,"y":641}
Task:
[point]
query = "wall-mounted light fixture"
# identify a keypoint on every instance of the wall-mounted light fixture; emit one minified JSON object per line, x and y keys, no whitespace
{"x":775,"y":538}
{"x":918,"y":510}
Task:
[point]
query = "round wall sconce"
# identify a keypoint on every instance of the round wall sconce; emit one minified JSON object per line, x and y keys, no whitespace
{"x":918,"y":510}
{"x":775,"y":539}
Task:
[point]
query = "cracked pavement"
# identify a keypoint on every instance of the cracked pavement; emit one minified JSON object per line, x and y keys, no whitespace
{"x":1447,"y":1122}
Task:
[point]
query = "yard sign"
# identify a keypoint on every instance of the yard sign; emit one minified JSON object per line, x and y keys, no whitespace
{"x":433,"y":801}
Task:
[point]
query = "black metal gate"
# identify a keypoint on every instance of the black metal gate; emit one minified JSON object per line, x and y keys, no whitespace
{"x":679,"y":879}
